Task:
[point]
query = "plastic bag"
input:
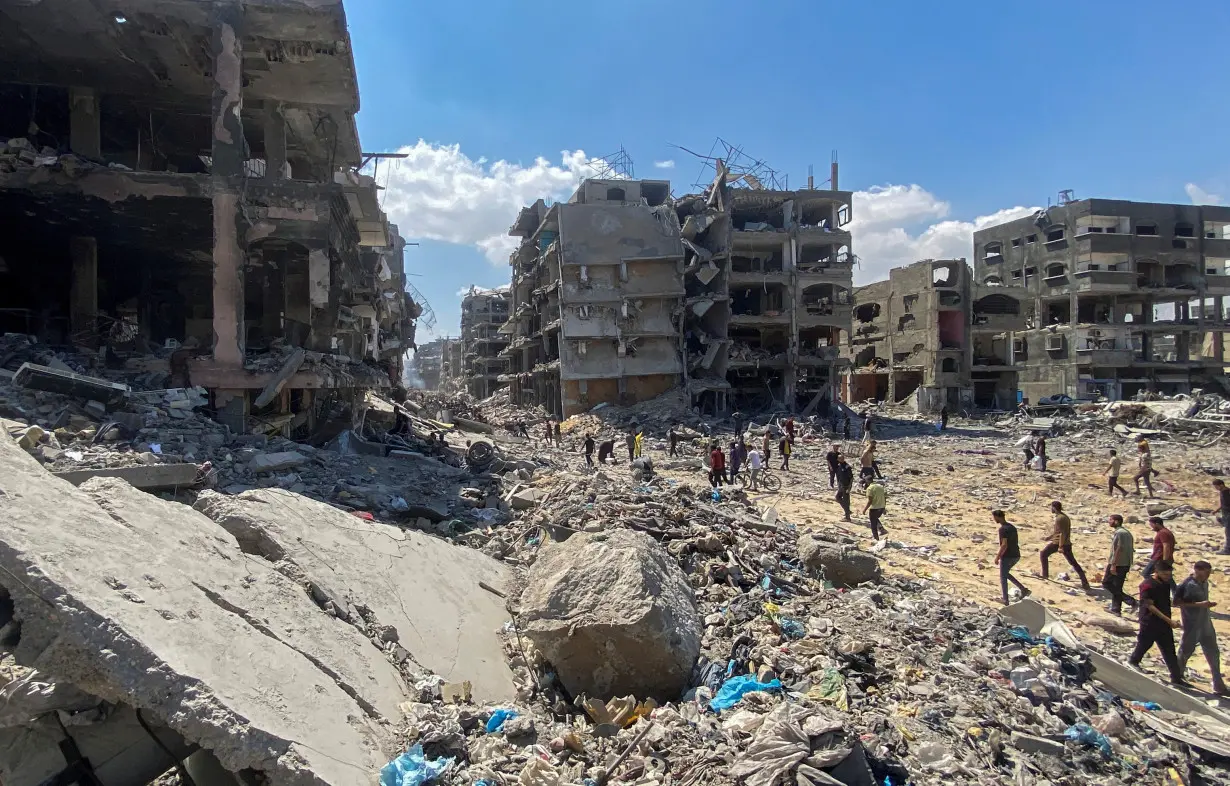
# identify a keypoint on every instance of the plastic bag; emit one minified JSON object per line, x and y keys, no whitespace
{"x":1087,"y":735}
{"x":412,"y":769}
{"x":736,"y":688}
{"x":498,"y":719}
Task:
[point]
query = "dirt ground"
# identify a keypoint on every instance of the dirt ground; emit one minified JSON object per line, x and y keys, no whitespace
{"x":942,"y":487}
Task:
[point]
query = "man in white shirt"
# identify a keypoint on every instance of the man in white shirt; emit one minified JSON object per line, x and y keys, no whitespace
{"x":754,"y":463}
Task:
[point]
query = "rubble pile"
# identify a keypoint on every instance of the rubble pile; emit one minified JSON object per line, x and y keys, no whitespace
{"x":812,"y":667}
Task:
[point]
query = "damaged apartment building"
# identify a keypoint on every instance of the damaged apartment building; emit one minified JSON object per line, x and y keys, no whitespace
{"x":1115,"y":298}
{"x":182,"y":174}
{"x":483,"y":313}
{"x":738,"y":295}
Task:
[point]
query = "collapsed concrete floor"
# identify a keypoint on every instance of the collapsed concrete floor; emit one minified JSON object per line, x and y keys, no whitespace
{"x":281,"y":637}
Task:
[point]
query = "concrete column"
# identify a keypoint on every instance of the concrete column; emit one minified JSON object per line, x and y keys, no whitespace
{"x":275,"y":143}
{"x":231,"y":407}
{"x":84,"y":122}
{"x":228,"y":157}
{"x":83,"y":289}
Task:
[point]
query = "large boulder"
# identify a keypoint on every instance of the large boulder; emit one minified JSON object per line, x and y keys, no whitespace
{"x":614,"y":614}
{"x":844,"y":565}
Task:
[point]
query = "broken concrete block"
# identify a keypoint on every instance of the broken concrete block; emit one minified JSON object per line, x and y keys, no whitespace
{"x":152,"y":605}
{"x":30,"y":437}
{"x":1027,"y":743}
{"x":614,"y":614}
{"x":525,"y":499}
{"x":36,"y":377}
{"x":96,"y":409}
{"x":424,"y":587}
{"x":153,"y":476}
{"x":845,"y":566}
{"x":275,"y":462}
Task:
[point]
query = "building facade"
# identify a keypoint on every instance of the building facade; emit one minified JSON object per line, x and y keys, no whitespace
{"x":1115,"y":298}
{"x":483,"y":313}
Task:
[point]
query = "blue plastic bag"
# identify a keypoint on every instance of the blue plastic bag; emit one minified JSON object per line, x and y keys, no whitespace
{"x":791,"y":629}
{"x":412,"y":769}
{"x":498,"y":718}
{"x":736,"y":688}
{"x":1087,"y":735}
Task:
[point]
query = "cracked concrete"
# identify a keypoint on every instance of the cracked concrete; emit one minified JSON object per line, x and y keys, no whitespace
{"x":423,"y":588}
{"x":151,"y":604}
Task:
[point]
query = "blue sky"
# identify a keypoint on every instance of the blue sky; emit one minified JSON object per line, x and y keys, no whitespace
{"x":945,"y":115}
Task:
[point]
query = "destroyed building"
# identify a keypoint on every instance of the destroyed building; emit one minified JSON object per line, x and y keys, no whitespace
{"x":1118,"y":297}
{"x":738,"y":295}
{"x":425,"y":368}
{"x":595,"y":290}
{"x":910,"y":337}
{"x":186,"y":174}
{"x":483,"y":313}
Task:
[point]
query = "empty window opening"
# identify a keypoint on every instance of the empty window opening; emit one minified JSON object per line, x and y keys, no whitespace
{"x":948,"y":365}
{"x":944,"y":275}
{"x":654,"y":194}
{"x":908,"y":302}
{"x":1184,"y":229}
{"x":950,"y":299}
{"x":615,"y":195}
{"x":995,"y":305}
{"x":905,"y":322}
{"x":1031,"y":239}
{"x":1146,"y":230}
{"x":993,"y":249}
{"x":1178,"y":242}
{"x":1056,"y":271}
{"x":993,"y":281}
{"x":1016,"y":242}
{"x":867,"y":312}
{"x":1058,"y":313}
{"x":1055,"y":234}
{"x":1217,"y":230}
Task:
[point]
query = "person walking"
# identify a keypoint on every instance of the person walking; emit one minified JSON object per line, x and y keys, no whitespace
{"x":740,"y":421}
{"x":1156,"y":625}
{"x":736,"y":460}
{"x":1112,"y":474}
{"x":867,"y":425}
{"x":1223,"y":512}
{"x":877,"y":501}
{"x":1192,"y":598}
{"x":790,"y":429}
{"x":1163,"y":545}
{"x":1026,"y":444}
{"x":639,"y":443}
{"x":845,"y":427}
{"x":672,"y":437}
{"x":831,"y":458}
{"x":785,"y":448}
{"x":766,"y":443}
{"x":1118,"y":564}
{"x":1144,"y":468}
{"x":522,"y":430}
{"x":630,"y":441}
{"x":559,"y":435}
{"x":589,"y":450}
{"x":868,"y":466}
{"x":717,"y":466}
{"x":944,"y":421}
{"x":1060,"y":541}
{"x":845,"y":482}
{"x":1009,"y":554}
{"x":548,"y":432}
{"x":754,"y":463}
{"x":1040,"y":451}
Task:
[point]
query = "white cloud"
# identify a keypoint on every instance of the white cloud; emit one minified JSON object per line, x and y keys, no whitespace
{"x":667,"y":164}
{"x":1199,"y":196}
{"x":890,"y":229}
{"x":439,"y":193}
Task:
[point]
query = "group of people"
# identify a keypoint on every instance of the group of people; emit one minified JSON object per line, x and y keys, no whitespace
{"x":753,"y":459}
{"x":1144,"y":470}
{"x":1157,"y":594}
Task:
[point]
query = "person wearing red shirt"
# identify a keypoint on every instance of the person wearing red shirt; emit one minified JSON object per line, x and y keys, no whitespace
{"x":1163,"y":545}
{"x":717,"y":467}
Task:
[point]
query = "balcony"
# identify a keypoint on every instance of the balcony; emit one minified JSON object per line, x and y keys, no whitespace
{"x":768,"y":318}
{"x":1104,"y":357}
{"x":1098,"y":243}
{"x":753,"y":277}
{"x":840,"y":315}
{"x":1107,"y":280}
{"x":1217,"y":284}
{"x":818,"y":356}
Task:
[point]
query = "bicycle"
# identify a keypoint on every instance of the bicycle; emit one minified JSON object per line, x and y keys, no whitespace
{"x":765,"y":481}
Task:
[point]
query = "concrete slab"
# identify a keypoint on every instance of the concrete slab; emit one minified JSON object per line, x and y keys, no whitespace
{"x":36,"y":377}
{"x":148,"y":603}
{"x":153,"y":476}
{"x":426,"y":588}
{"x":275,"y":462}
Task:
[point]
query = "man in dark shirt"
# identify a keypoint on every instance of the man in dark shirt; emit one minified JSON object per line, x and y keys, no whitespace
{"x":845,"y":427}
{"x":1223,"y":511}
{"x":943,"y":418}
{"x":630,"y":439}
{"x":672,"y":437}
{"x":1156,"y":625}
{"x":1163,"y":545}
{"x":831,"y":458}
{"x":589,"y":449}
{"x":845,"y":481}
{"x":1008,"y":556}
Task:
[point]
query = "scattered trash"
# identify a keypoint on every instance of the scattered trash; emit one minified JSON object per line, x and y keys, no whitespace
{"x":413,"y":769}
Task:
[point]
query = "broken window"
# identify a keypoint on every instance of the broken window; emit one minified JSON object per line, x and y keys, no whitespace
{"x":1147,"y":229}
{"x":904,"y":322}
{"x":615,"y":195}
{"x":993,"y":281}
{"x":867,"y":312}
{"x":944,"y":275}
{"x":1055,"y":234}
{"x":948,"y":365}
{"x":1056,"y":270}
{"x":908,"y":302}
{"x":1016,"y":242}
{"x":1030,"y":239}
{"x":993,"y":251}
{"x":1184,"y":229}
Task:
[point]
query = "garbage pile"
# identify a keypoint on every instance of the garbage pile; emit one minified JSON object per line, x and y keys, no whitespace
{"x":669,"y":635}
